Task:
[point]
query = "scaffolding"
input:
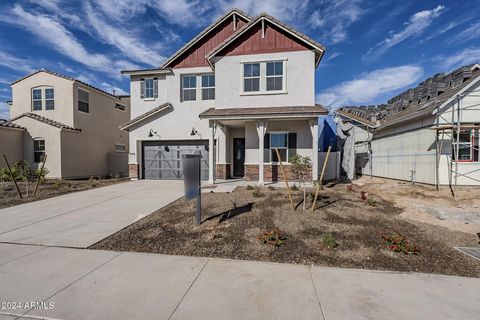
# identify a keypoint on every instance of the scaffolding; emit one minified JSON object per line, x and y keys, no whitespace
{"x":453,"y":128}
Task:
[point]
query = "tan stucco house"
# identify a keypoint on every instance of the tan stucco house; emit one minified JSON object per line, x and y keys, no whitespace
{"x":75,"y":124}
{"x":241,"y":88}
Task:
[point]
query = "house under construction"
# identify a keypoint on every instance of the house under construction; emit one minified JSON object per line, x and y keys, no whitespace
{"x":428,"y":134}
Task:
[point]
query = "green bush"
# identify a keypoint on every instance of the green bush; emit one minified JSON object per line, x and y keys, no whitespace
{"x":329,"y":241}
{"x":273,"y":237}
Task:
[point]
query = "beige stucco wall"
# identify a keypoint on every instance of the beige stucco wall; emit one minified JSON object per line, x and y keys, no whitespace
{"x":22,"y":97}
{"x":11,"y":145}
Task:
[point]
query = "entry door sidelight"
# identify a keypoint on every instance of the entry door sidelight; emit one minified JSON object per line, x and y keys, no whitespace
{"x":238,"y":157}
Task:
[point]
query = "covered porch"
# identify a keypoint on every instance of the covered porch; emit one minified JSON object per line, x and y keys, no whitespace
{"x":245,"y":140}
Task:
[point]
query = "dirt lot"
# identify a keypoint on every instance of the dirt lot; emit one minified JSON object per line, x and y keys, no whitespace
{"x":48,"y":189}
{"x":354,"y":225}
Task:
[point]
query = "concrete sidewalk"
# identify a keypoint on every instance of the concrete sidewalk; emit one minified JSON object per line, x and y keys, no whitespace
{"x":89,"y":284}
{"x":81,"y":219}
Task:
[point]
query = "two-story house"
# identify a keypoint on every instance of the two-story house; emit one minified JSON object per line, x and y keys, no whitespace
{"x":73,"y":123}
{"x":240,"y":89}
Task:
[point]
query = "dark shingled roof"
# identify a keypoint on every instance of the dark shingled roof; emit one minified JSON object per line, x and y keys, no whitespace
{"x":7,"y":124}
{"x":65,"y":77}
{"x":47,"y":121}
{"x":356,"y":117}
{"x":265,"y":112}
{"x":145,"y":115}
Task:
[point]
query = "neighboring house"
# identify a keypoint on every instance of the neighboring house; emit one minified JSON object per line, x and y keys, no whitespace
{"x":11,"y":142}
{"x":414,"y":137}
{"x":241,"y":88}
{"x":73,"y":123}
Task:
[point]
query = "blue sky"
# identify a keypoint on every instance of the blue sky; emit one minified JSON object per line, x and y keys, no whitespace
{"x":375,"y":49}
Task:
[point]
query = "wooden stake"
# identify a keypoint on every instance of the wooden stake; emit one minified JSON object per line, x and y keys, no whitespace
{"x":320,"y":181}
{"x":285,"y":178}
{"x":38,"y":179}
{"x":11,"y":175}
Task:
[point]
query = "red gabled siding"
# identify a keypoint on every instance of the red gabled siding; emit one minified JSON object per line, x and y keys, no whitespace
{"x":251,"y":42}
{"x":195,"y":56}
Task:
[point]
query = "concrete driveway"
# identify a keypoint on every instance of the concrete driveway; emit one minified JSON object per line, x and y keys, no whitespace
{"x":93,"y":284}
{"x":83,"y":218}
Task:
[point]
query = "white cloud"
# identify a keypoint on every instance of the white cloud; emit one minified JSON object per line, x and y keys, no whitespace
{"x":53,"y":33}
{"x":15,"y":63}
{"x":4,"y":110}
{"x":370,"y":86}
{"x":128,"y":43}
{"x":415,"y":26}
{"x":122,"y":10}
{"x":460,"y":58}
{"x":467,"y":34}
{"x":185,"y":13}
{"x":113,"y":88}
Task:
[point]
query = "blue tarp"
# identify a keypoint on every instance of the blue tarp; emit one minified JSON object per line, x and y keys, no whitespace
{"x":327,"y":133}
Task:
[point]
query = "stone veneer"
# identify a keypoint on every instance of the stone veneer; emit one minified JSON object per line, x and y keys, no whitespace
{"x":222,"y":171}
{"x":133,"y":171}
{"x":271,"y":172}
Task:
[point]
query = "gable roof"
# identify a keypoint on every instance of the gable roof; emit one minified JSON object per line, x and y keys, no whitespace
{"x":348,"y":113}
{"x":46,"y":121}
{"x":318,"y":48}
{"x":65,"y":77}
{"x":146,"y":115}
{"x":202,"y":34}
{"x":7,"y":124}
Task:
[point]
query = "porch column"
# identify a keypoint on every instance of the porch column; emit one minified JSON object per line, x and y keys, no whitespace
{"x":314,"y":129}
{"x":211,"y":152}
{"x":261,"y":129}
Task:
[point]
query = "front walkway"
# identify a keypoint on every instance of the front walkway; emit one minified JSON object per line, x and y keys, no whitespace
{"x":89,"y":284}
{"x":83,"y":218}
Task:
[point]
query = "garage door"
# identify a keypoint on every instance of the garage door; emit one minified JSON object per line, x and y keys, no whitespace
{"x":163,"y":159}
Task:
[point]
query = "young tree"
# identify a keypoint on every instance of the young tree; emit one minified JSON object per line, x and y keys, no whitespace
{"x":301,"y":166}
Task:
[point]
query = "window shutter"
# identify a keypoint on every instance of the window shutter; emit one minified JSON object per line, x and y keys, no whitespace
{"x":292,"y":144}
{"x":142,"y":88}
{"x":155,"y":87}
{"x":266,"y":146}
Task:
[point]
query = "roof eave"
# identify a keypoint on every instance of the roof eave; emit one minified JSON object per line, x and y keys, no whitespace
{"x":434,"y":112}
{"x":141,"y":118}
{"x":147,"y":71}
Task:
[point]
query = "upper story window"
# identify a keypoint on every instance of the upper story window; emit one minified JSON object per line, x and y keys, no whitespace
{"x":189,"y":88}
{"x":208,"y":87}
{"x":38,"y":150}
{"x":120,"y":107}
{"x":83,"y":101}
{"x":468,"y":146}
{"x":149,"y":88}
{"x":49,"y":99}
{"x":274,"y":76}
{"x":36,"y":99}
{"x":251,"y":77}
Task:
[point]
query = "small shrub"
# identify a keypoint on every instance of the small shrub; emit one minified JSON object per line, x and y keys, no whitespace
{"x":399,"y":243}
{"x":272,"y":237}
{"x":56,"y":184}
{"x":257,"y":194}
{"x":371,"y":202}
{"x":249,"y":187}
{"x":329,"y":241}
{"x":93,"y":181}
{"x":294,"y":187}
{"x":271,"y":188}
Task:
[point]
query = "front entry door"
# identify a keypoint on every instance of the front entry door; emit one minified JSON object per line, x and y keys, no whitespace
{"x":238,"y":157}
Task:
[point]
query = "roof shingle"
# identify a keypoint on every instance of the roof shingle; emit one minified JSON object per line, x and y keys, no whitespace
{"x":47,"y":121}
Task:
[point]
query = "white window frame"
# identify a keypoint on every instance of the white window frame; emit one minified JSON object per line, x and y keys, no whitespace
{"x":146,"y":80}
{"x":263,"y":77}
{"x":183,"y":89}
{"x":78,"y":99}
{"x":259,"y":77}
{"x":36,"y":151}
{"x":124,"y":146}
{"x":274,"y":76}
{"x":272,"y":149}
{"x":52,"y":99}
{"x":207,"y":88}
{"x":470,"y":144}
{"x":36,"y":100}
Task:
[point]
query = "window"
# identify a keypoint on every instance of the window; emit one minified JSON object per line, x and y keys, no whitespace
{"x":120,"y":107}
{"x":279,"y":141}
{"x":274,"y":76}
{"x":120,"y":147}
{"x":36,"y":99}
{"x":49,"y":99}
{"x":38,"y":150}
{"x":208,"y":87}
{"x":149,"y":88}
{"x":468,"y":147}
{"x":83,"y":104}
{"x":251,"y":77}
{"x":189,"y":88}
